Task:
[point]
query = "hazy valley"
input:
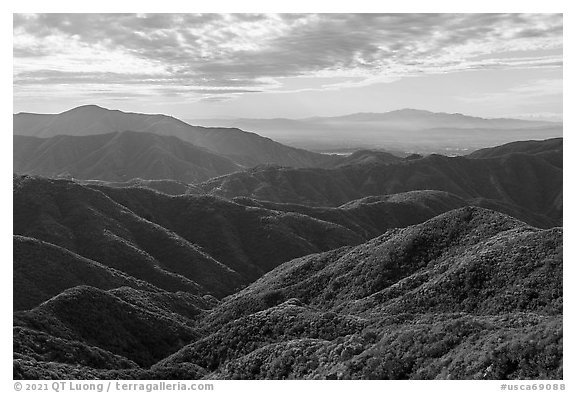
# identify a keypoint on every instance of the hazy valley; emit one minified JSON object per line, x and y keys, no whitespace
{"x":411,"y":130}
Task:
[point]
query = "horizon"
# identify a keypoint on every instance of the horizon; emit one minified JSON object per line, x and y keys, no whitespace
{"x":294,"y":66}
{"x":284,"y":118}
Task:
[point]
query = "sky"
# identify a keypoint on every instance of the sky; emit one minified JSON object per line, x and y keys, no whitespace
{"x":290,"y":65}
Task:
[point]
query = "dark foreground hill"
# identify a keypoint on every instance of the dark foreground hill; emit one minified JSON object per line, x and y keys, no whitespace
{"x":244,"y":148}
{"x":88,"y":223}
{"x":119,"y":156}
{"x":198,"y":243}
{"x":127,"y":282}
{"x":527,"y":179}
{"x":420,"y":302}
{"x":43,"y":270}
{"x":470,"y":294}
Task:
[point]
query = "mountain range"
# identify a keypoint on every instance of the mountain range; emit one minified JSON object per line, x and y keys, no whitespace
{"x":529,"y":181}
{"x":244,"y":148}
{"x":118,"y":156}
{"x":470,"y":294}
{"x":147,"y":248}
{"x":404,"y":130}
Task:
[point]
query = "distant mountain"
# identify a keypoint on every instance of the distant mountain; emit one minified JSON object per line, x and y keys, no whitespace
{"x":406,"y":119}
{"x":405,"y":130}
{"x":244,"y":148}
{"x":529,"y":181}
{"x":118,"y":156}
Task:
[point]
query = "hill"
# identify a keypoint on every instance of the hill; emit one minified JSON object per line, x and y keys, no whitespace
{"x":43,"y":270}
{"x":88,"y":223}
{"x":401,"y":276}
{"x":165,"y":186}
{"x":199,"y":244}
{"x":118,"y":156}
{"x":468,"y":294}
{"x":244,"y":238}
{"x":369,"y":157}
{"x":101,"y":319}
{"x":529,"y":181}
{"x":550,"y":150}
{"x":148,"y":235}
{"x":376,"y":214}
{"x":242,"y":147}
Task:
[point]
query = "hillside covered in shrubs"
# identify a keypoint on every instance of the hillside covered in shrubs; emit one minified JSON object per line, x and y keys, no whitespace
{"x":417,"y":269}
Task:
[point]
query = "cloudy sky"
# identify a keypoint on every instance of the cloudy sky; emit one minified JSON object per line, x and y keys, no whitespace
{"x":290,"y":65}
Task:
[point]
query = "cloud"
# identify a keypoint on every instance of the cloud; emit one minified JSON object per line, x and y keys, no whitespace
{"x":252,"y":52}
{"x":533,"y":91}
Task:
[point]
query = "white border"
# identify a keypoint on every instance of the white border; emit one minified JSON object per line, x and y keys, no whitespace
{"x":547,"y":6}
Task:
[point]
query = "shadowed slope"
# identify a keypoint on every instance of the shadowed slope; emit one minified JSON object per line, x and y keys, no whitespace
{"x":525,"y":180}
{"x":244,"y":148}
{"x":118,"y":157}
{"x":88,"y":223}
{"x":43,"y":270}
{"x":103,"y":320}
{"x":247,"y":239}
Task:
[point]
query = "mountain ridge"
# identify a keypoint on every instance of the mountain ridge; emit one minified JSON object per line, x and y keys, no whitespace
{"x":407,"y":130}
{"x":245,"y":148}
{"x":326,"y":315}
{"x":118,"y":156}
{"x":530,"y":181}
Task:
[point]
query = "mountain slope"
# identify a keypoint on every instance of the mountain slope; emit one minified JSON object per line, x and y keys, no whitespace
{"x":104,"y":320}
{"x":521,"y":179}
{"x":204,"y":243}
{"x":413,"y":303}
{"x":43,"y":270}
{"x":469,"y":294}
{"x":88,"y":223}
{"x":242,"y":147}
{"x":244,"y":238}
{"x":193,"y":243}
{"x":368,"y":157}
{"x":344,"y":276}
{"x":165,"y":186}
{"x":118,"y":157}
{"x":374,"y":215}
{"x":549,"y":150}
